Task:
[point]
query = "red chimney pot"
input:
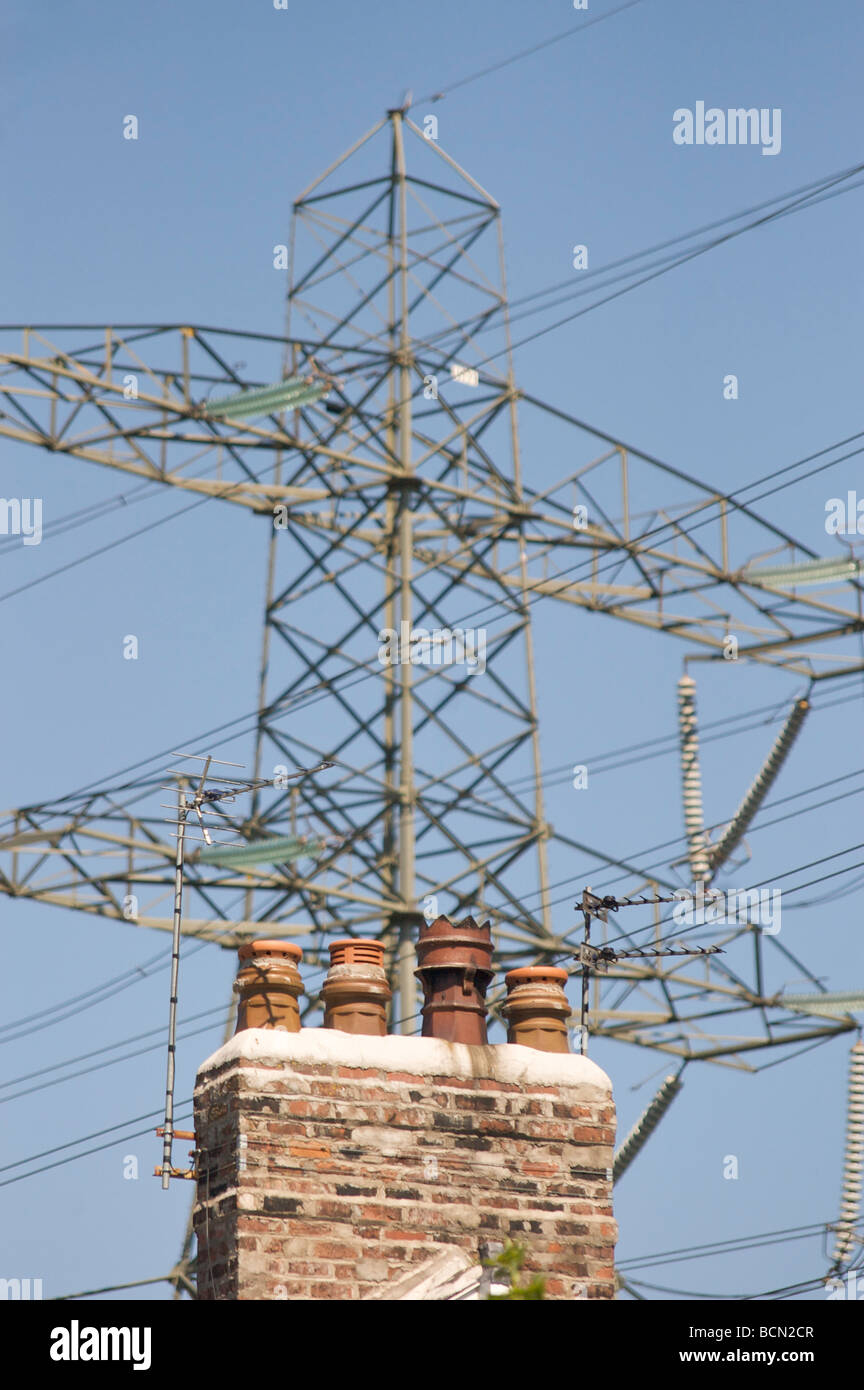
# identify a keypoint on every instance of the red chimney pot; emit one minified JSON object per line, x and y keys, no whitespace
{"x":455,"y":968}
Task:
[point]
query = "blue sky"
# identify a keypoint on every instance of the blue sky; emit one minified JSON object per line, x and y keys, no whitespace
{"x":240,"y":107}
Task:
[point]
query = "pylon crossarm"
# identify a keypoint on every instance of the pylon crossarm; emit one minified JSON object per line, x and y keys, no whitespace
{"x":398,"y":505}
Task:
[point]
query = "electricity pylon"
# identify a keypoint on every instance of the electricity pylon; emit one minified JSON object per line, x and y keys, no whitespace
{"x":406,"y":547}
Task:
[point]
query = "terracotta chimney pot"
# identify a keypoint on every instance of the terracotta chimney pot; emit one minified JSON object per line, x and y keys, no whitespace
{"x":455,"y":968}
{"x":268,"y":986}
{"x":537,"y":1008}
{"x":355,"y":992}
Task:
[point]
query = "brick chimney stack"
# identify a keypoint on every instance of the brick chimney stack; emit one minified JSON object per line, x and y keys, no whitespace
{"x":333,"y":1164}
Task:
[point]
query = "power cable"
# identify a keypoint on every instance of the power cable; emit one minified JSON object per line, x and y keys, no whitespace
{"x":726,"y":1247}
{"x":825,"y":182}
{"x":308,"y":979}
{"x":103,"y":549}
{"x":807,"y":1286}
{"x":111,"y":1061}
{"x":80,"y":1003}
{"x":128,"y":976}
{"x":819,"y":191}
{"x":85,"y":1138}
{"x":775,"y":878}
{"x":74,"y":520}
{"x":522,"y":785}
{"x":94,"y":790}
{"x":111,"y":1288}
{"x":655,"y":274}
{"x":681,"y":840}
{"x":524,"y":53}
{"x":73,"y":1158}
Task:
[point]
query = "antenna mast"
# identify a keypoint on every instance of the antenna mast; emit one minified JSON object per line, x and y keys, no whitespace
{"x":202,"y":798}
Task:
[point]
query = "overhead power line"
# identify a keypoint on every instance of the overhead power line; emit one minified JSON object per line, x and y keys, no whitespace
{"x":103,"y":549}
{"x":85,"y":1138}
{"x":112,"y":1061}
{"x":806,"y":1286}
{"x":774,"y":879}
{"x":806,"y":196}
{"x":710,"y":1249}
{"x":87,"y":998}
{"x":98,"y":994}
{"x":524,"y":53}
{"x":113,"y":1288}
{"x":97,"y":511}
{"x":797,"y":205}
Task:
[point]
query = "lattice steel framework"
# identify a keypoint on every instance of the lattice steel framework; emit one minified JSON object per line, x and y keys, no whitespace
{"x":399,"y":503}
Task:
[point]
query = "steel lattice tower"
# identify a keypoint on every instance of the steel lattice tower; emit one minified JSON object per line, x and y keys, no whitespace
{"x":398,"y":503}
{"x":419,"y":525}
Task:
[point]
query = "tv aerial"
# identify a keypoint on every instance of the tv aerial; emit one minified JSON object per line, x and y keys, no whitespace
{"x":599,"y":958}
{"x":201,"y":801}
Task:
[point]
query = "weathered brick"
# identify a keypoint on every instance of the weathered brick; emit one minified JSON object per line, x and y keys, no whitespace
{"x":335,"y":1249}
{"x":340,"y":1194}
{"x":283,"y":1206}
